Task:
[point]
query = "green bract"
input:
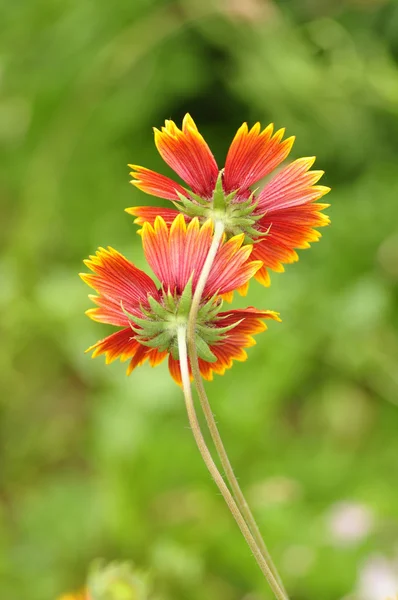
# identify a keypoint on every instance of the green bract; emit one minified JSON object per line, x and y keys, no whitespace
{"x":237,"y":217}
{"x":159,"y":325}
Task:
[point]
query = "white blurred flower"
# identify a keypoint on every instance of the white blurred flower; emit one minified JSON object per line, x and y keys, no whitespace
{"x":378,"y":579}
{"x":349,"y":523}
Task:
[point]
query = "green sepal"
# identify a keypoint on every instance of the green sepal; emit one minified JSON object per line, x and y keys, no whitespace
{"x":219,"y":200}
{"x":171,"y":301}
{"x":148,"y":327}
{"x":241,"y":211}
{"x":126,"y":312}
{"x":191,"y":208}
{"x":209,"y":310}
{"x":147,"y":324}
{"x":174,"y":350}
{"x":242,"y":205}
{"x":236,"y":230}
{"x":244,"y":222}
{"x":178,"y":206}
{"x":203,"y":350}
{"x":210,"y":337}
{"x":185,"y":303}
{"x":257,"y":217}
{"x":262,"y":234}
{"x":160,"y":341}
{"x":157,"y":308}
{"x":229,"y":197}
{"x":214,"y":334}
{"x":146,"y":311}
{"x":200,"y":200}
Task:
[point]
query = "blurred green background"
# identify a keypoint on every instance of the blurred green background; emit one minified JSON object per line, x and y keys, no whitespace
{"x":97,"y":464}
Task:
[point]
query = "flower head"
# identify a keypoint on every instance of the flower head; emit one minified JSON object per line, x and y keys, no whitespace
{"x":117,"y":581}
{"x":150,"y":316}
{"x":281,"y":218}
{"x":75,"y":596}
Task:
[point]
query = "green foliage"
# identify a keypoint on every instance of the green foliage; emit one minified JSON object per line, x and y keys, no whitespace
{"x":97,"y":464}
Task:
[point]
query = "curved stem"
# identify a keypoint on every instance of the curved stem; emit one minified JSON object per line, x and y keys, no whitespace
{"x":215,"y":473}
{"x":215,"y":434}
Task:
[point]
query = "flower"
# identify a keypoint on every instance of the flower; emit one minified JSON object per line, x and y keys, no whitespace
{"x":349,"y":523}
{"x":378,"y":578}
{"x":75,"y":596}
{"x":150,"y":317}
{"x":281,"y":218}
{"x":117,"y":581}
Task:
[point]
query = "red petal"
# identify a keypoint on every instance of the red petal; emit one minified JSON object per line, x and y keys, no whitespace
{"x":250,"y":317}
{"x":155,"y":184}
{"x":292,"y":186}
{"x":121,"y":344}
{"x":187,"y":153}
{"x":154,"y":356}
{"x":231,"y":269}
{"x":253,"y":155}
{"x":119,"y":283}
{"x":155,"y":242}
{"x":289,"y":228}
{"x":175,"y":254}
{"x":291,"y":214}
{"x":174,"y":368}
{"x":249,"y":321}
{"x":148,"y":214}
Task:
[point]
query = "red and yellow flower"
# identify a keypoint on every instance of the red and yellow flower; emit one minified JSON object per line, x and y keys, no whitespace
{"x":149,"y":316}
{"x":76,"y":596}
{"x":280,"y":219}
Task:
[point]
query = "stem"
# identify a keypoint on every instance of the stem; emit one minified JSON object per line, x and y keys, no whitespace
{"x":215,"y":473}
{"x":215,"y":434}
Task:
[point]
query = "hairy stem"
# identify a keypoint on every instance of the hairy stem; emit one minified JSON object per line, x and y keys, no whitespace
{"x":212,"y":425}
{"x":215,"y":473}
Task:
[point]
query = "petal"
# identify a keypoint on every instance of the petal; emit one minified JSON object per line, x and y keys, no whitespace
{"x":75,"y":596}
{"x":148,"y":214}
{"x":253,"y":155}
{"x":153,"y":355}
{"x":291,"y":215}
{"x":155,"y":242}
{"x":107,"y":311}
{"x":292,"y":186}
{"x":187,"y":153}
{"x":250,"y":317}
{"x":122,"y":344}
{"x":178,"y":252}
{"x":174,"y":368}
{"x":119,"y":284}
{"x":155,"y":184}
{"x":228,"y":297}
{"x":249,"y":322}
{"x":289,"y":229}
{"x":231,"y":268}
{"x":189,"y":247}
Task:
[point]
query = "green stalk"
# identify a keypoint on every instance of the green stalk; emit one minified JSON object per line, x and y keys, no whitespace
{"x":215,"y":434}
{"x":215,"y":473}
